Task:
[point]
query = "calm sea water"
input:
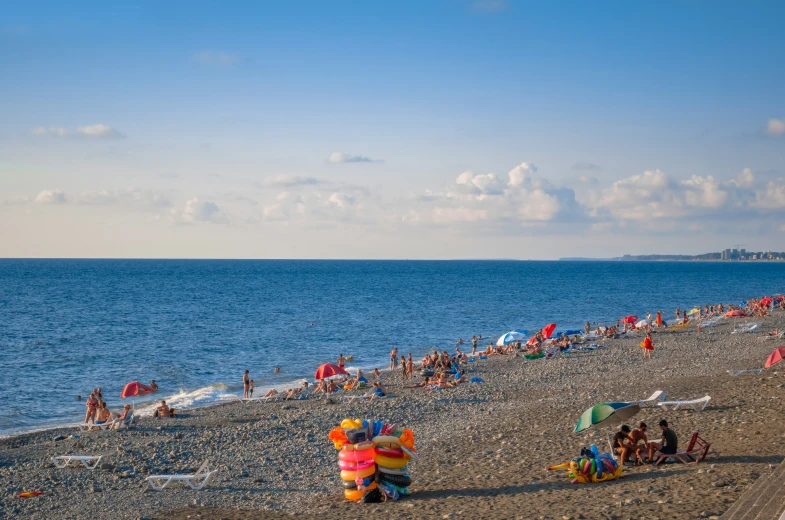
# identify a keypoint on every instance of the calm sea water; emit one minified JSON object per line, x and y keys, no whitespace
{"x":67,"y":326}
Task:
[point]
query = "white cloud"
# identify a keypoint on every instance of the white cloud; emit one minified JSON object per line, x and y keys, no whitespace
{"x":775,"y":127}
{"x":289,"y":181}
{"x":586,"y":166}
{"x":219,"y":59}
{"x":50,"y":197}
{"x":132,"y":197}
{"x":97,"y":131}
{"x":345,"y":158}
{"x":197,"y":211}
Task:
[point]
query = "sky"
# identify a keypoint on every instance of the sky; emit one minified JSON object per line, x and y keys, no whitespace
{"x":446,"y":129}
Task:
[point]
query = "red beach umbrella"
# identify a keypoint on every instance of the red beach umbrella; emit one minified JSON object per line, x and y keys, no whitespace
{"x":135,"y":389}
{"x":329,"y":370}
{"x":775,"y":357}
{"x":735,"y":314}
{"x":629,"y":319}
{"x":548,"y":330}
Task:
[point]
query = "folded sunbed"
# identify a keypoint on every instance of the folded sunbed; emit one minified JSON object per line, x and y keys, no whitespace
{"x":88,"y":461}
{"x":696,"y":404}
{"x":655,"y":398}
{"x":196,"y":480}
{"x":696,"y":451}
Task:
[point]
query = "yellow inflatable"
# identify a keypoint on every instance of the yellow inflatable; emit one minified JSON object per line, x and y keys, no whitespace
{"x":356,"y":494}
{"x":599,"y":467}
{"x":350,"y":424}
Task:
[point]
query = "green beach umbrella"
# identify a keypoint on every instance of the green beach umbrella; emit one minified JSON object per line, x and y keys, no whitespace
{"x":605,"y":414}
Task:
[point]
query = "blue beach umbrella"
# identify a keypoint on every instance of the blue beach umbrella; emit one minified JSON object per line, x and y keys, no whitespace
{"x":510,"y":337}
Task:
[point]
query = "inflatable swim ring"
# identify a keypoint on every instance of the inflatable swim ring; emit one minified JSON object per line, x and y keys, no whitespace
{"x":362,"y":473}
{"x":356,"y":494}
{"x":534,"y":356}
{"x":394,"y":471}
{"x":351,"y":466}
{"x":351,"y":423}
{"x":388,"y":452}
{"x":387,"y":441}
{"x":396,"y":480}
{"x":356,"y":456}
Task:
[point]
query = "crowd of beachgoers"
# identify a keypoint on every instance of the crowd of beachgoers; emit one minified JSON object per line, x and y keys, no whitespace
{"x":275,"y":457}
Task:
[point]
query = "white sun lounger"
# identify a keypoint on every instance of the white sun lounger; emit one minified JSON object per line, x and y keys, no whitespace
{"x":696,"y":404}
{"x":88,"y":461}
{"x":746,"y":328}
{"x":754,"y":371}
{"x":92,"y":426}
{"x":657,"y":397}
{"x":197,"y":480}
{"x":366,"y":395}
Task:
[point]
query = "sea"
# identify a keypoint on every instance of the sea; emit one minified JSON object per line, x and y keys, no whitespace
{"x":194,"y":326}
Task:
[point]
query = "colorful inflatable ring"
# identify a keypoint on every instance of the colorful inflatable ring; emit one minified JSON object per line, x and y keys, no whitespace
{"x":362,"y":473}
{"x":407,"y":439}
{"x":390,"y":462}
{"x":352,"y":466}
{"x":387,"y":441}
{"x":350,"y":424}
{"x":349,"y":484}
{"x":394,"y":471}
{"x":396,"y":480}
{"x":389,"y":452}
{"x":356,"y":494}
{"x":366,"y":445}
{"x":356,"y":456}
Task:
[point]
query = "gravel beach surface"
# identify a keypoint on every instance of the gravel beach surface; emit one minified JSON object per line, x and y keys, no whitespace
{"x":483,"y":447}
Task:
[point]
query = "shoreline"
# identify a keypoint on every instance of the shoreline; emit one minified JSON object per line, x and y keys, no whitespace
{"x":483,"y":447}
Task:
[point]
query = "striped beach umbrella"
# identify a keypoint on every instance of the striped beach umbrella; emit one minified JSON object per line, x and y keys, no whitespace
{"x":606,"y":414}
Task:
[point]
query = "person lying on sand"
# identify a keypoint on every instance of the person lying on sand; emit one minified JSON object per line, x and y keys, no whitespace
{"x":378,"y":390}
{"x":162,"y":410}
{"x":460,"y":377}
{"x":669,"y":444}
{"x":775,"y":332}
{"x":271,"y":393}
{"x":292,"y":392}
{"x":426,"y":381}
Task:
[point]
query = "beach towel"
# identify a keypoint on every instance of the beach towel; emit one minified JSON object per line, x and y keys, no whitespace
{"x":477,"y":380}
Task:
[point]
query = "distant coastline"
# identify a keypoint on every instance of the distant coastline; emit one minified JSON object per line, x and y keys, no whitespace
{"x":707,"y":257}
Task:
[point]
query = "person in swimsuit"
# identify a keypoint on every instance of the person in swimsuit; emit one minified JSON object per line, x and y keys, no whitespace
{"x":636,"y":436}
{"x":393,"y":358}
{"x":102,"y":414}
{"x":277,"y":370}
{"x":459,"y":342}
{"x":153,"y":385}
{"x":426,"y":381}
{"x":378,"y":390}
{"x":621,"y":443}
{"x":250,"y":388}
{"x":163,"y":410}
{"x":92,"y":406}
{"x":403,"y":366}
{"x":341,"y":361}
{"x":246,"y":382}
{"x":376,"y":373}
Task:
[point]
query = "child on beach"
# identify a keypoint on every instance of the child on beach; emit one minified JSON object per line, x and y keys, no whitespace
{"x":250,"y":388}
{"x":647,"y":346}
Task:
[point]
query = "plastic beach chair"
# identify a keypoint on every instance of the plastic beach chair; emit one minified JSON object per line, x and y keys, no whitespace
{"x":753,"y":371}
{"x":696,"y":404}
{"x":696,"y":451}
{"x":88,"y":461}
{"x":93,"y":426}
{"x":197,"y":480}
{"x":656,"y":397}
{"x":746,"y":328}
{"x":366,"y":395}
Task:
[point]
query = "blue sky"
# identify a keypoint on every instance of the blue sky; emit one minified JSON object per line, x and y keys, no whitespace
{"x":444,"y":129}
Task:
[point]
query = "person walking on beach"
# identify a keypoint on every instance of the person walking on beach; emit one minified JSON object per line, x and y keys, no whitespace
{"x":659,"y":319}
{"x":246,"y":383}
{"x":393,"y":358}
{"x":647,"y":346}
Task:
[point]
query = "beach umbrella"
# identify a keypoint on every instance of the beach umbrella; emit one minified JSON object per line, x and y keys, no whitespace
{"x":642,"y":324}
{"x":606,"y":414}
{"x":329,"y":370}
{"x":135,"y":389}
{"x":775,"y":357}
{"x":735,"y":314}
{"x":629,"y":319}
{"x":510,"y":337}
{"x":548,"y":330}
{"x":694,"y":311}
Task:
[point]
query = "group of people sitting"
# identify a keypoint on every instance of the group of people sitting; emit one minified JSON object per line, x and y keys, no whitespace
{"x":634,"y":445}
{"x":98,"y":413}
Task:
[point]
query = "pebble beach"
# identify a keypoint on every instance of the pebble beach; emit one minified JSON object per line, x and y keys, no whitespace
{"x":483,"y":447}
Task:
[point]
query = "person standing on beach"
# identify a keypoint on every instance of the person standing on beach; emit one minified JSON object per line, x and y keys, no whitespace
{"x":341,"y":361}
{"x":659,"y":319}
{"x":403,"y":366}
{"x":92,"y":407}
{"x":647,"y":346}
{"x":246,"y":383}
{"x":393,"y":358}
{"x":678,"y":312}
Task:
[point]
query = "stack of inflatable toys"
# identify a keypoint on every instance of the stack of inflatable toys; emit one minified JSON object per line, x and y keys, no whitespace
{"x":374,"y":459}
{"x":591,"y":466}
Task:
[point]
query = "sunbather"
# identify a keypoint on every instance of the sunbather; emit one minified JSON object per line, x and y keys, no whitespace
{"x":460,"y":377}
{"x":162,"y":410}
{"x":378,"y":390}
{"x":92,"y":407}
{"x":426,"y":381}
{"x":775,"y":332}
{"x":669,"y":444}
